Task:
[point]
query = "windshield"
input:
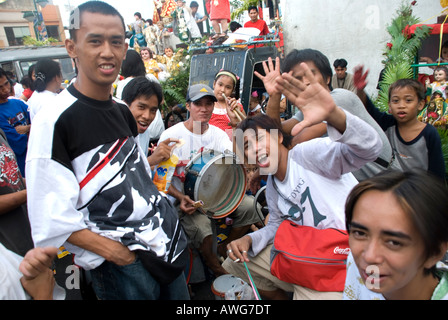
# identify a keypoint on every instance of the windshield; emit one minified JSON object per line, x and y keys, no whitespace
{"x":67,"y":67}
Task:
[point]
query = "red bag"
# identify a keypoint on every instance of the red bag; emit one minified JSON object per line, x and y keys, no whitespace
{"x":310,"y":257}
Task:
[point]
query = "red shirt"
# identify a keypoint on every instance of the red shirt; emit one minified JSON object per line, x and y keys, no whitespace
{"x":260,"y":25}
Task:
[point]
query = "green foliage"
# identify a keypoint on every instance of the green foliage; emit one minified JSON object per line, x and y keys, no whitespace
{"x":175,"y":87}
{"x":242,"y":9}
{"x":400,"y":52}
{"x":392,"y":73}
{"x":30,"y":41}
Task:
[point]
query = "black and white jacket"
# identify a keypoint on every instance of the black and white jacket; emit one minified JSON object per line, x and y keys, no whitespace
{"x":85,"y":170}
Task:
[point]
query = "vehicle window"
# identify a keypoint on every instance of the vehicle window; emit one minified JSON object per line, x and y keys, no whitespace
{"x":25,"y":65}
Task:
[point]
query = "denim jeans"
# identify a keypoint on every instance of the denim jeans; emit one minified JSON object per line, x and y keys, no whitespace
{"x":134,"y":282}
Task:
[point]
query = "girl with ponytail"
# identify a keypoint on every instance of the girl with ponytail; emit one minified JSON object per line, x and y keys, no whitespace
{"x":46,"y":85}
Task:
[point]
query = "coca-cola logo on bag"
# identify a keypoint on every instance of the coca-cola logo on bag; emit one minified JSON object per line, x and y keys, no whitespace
{"x":338,"y":250}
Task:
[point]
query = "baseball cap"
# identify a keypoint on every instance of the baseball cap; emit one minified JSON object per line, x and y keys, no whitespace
{"x":198,"y":91}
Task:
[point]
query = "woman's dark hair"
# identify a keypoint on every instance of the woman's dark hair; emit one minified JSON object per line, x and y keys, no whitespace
{"x":141,"y":86}
{"x":133,"y":65}
{"x":236,"y":81}
{"x":318,"y":58}
{"x":421,"y":195}
{"x":46,"y":70}
{"x":31,"y":70}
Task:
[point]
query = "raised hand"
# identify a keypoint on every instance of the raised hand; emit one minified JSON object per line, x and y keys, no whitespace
{"x":271,"y":73}
{"x":315,"y":102}
{"x":359,"y":77}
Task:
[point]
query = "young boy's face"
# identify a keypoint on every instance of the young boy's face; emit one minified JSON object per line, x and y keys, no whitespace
{"x":144,"y":110}
{"x":99,"y":50}
{"x":404,"y":104}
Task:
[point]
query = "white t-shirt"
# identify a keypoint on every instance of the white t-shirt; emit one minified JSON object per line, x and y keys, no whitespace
{"x":10,"y":287}
{"x":318,"y":180}
{"x":38,"y":100}
{"x":214,"y":139}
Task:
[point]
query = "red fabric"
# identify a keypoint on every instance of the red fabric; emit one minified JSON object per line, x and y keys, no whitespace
{"x":260,"y":25}
{"x":27,"y":93}
{"x":310,"y":257}
{"x":435,"y":28}
{"x":219,"y":10}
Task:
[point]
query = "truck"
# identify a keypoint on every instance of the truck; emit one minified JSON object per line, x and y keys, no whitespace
{"x":242,"y":62}
{"x":19,"y":59}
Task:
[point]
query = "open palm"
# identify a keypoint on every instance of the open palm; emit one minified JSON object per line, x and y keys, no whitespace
{"x":271,"y":73}
{"x":305,"y":92}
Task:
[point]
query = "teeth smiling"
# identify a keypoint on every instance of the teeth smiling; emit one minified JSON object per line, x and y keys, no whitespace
{"x":106,"y":66}
{"x":262,"y":158}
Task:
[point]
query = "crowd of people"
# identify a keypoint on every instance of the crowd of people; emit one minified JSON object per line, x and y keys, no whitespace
{"x":339,"y":163}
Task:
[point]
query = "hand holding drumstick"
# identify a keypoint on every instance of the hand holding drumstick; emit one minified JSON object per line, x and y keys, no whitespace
{"x":233,"y":108}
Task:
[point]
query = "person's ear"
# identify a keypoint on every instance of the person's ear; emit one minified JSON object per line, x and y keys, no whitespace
{"x":70,"y":46}
{"x":421,"y":105}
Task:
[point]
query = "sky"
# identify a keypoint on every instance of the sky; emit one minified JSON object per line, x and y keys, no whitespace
{"x":127,"y":8}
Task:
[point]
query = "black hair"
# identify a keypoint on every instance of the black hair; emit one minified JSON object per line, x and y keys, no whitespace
{"x":423,"y":196}
{"x":252,"y":8}
{"x":409,"y":83}
{"x":194,"y":4}
{"x":92,"y":7}
{"x":31,"y":70}
{"x":233,"y":26}
{"x":133,"y":65}
{"x":3,"y":73}
{"x":46,"y":70}
{"x":141,"y":86}
{"x":342,"y":63}
{"x":264,"y":122}
{"x":26,"y":81}
{"x":138,"y":14}
{"x":318,"y":58}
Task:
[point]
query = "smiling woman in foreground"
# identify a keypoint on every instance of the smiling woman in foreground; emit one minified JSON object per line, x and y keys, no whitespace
{"x":397,"y":223}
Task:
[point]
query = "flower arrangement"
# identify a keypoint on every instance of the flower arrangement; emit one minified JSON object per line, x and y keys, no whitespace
{"x":400,"y":51}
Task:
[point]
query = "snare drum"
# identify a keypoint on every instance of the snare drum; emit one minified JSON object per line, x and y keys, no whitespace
{"x":217,"y":180}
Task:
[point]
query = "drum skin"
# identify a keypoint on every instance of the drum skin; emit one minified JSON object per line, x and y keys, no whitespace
{"x":217,"y":180}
